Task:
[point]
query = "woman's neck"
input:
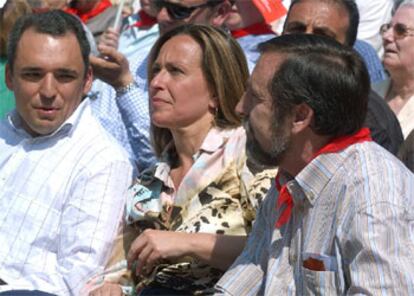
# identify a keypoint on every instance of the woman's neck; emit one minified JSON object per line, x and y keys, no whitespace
{"x":402,"y":86}
{"x":187,"y":142}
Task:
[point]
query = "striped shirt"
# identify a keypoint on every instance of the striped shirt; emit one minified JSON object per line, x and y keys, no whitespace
{"x":353,"y":214}
{"x":61,"y":199}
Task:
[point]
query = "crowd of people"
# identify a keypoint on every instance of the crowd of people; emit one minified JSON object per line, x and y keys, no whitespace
{"x":206,"y":147}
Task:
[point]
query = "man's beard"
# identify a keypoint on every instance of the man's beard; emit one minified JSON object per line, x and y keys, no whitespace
{"x":280,"y":142}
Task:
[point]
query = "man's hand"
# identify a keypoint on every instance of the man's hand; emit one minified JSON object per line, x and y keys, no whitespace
{"x":110,"y":38}
{"x":108,"y":289}
{"x":112,"y":67}
{"x":153,"y":246}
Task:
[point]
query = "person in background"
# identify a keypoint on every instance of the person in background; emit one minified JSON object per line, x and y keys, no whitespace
{"x":398,"y":59}
{"x":248,"y":26}
{"x":140,"y":30}
{"x":45,"y":5}
{"x":97,"y":15}
{"x":372,"y":15}
{"x":338,"y":219}
{"x":10,"y":11}
{"x":63,"y":177}
{"x":202,"y":196}
{"x":406,"y":153}
{"x":137,"y":34}
{"x":338,"y":19}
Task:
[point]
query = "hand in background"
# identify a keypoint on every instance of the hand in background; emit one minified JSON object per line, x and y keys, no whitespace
{"x":111,"y":66}
{"x":110,"y":38}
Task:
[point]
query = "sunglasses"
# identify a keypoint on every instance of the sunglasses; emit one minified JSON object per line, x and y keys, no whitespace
{"x":178,"y":12}
{"x":399,"y":30}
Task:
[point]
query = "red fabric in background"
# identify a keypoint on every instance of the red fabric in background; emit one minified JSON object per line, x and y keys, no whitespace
{"x":103,"y":4}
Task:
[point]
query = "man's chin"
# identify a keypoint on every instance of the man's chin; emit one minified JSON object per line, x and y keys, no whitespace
{"x":258,"y":157}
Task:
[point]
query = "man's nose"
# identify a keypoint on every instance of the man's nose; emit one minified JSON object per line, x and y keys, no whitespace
{"x":240,"y":109}
{"x":48,"y":86}
{"x":163,"y":15}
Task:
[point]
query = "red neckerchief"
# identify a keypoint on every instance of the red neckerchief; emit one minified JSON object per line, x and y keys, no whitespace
{"x":255,"y":29}
{"x":103,"y":4}
{"x":335,"y":145}
{"x":145,"y":20}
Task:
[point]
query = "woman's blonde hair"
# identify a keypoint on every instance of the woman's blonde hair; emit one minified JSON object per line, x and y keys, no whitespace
{"x":12,"y":10}
{"x":224,"y":66}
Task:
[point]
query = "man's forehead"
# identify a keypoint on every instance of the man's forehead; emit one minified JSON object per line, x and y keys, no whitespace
{"x":269,"y":62}
{"x":266,"y":67}
{"x":329,"y":8}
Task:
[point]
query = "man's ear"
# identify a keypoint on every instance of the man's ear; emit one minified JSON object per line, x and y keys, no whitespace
{"x":302,"y":118}
{"x":88,"y":80}
{"x":221,"y":14}
{"x":9,"y":77}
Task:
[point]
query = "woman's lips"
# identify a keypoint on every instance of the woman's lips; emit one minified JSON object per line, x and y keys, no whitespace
{"x":158,"y":101}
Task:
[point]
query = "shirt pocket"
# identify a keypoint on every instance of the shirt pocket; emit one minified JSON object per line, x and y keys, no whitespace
{"x":320,"y":282}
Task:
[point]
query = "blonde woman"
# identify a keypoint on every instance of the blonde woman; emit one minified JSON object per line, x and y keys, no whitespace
{"x":198,"y":203}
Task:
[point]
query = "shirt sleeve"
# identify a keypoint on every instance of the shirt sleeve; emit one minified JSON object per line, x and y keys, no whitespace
{"x":134,"y":109}
{"x":379,"y":244}
{"x":90,"y":220}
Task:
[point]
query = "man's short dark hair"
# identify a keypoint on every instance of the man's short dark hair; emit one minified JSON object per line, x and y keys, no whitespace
{"x":329,"y":77}
{"x":351,"y":8}
{"x":55,"y":23}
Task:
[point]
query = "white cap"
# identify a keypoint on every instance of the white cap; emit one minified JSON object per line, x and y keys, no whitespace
{"x":2,"y":3}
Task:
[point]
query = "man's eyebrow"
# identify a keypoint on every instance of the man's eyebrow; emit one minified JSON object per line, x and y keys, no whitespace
{"x":294,"y":23}
{"x":326,"y":30}
{"x":66,"y":71}
{"x":59,"y":70}
{"x":30,"y":69}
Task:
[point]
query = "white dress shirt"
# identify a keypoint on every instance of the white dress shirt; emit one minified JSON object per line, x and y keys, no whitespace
{"x":61,"y":200}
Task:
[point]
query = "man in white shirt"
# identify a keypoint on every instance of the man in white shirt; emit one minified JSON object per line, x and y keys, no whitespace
{"x":62,"y":177}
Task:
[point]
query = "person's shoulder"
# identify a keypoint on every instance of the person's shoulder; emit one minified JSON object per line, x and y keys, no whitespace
{"x":371,"y":169}
{"x":4,"y":129}
{"x":370,"y":157}
{"x":101,"y":142}
{"x":7,"y":133}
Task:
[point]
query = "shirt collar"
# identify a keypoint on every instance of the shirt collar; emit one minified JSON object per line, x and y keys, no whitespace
{"x":15,"y":121}
{"x":315,"y":176}
{"x":214,"y":140}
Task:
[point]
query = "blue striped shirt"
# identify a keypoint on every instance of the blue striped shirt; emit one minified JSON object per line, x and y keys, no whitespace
{"x":353,"y":212}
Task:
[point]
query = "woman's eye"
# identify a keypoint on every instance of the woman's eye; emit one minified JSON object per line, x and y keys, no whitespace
{"x":175,"y":70}
{"x":155,"y":70}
